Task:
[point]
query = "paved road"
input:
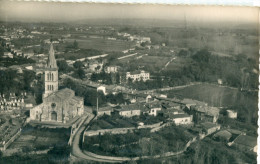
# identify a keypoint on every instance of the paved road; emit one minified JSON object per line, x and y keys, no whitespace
{"x":77,"y":152}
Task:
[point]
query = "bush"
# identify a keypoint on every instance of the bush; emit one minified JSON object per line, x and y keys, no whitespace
{"x":59,"y":154}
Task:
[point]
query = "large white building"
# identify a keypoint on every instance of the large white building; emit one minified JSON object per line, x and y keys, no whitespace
{"x":111,"y":69}
{"x":138,"y":75}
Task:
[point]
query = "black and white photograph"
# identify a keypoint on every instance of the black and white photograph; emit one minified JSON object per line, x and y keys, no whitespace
{"x":128,"y":83}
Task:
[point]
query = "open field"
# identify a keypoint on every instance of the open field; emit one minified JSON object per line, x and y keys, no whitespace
{"x":215,"y":95}
{"x":150,"y":63}
{"x":102,"y":44}
{"x":40,"y":138}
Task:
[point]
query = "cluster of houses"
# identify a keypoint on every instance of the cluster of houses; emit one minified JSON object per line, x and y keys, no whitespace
{"x":15,"y":52}
{"x":13,"y":102}
{"x":185,"y":112}
{"x":176,"y":111}
{"x":138,"y":39}
{"x":14,"y":33}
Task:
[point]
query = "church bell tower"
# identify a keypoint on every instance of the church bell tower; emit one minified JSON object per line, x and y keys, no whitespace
{"x":50,"y":74}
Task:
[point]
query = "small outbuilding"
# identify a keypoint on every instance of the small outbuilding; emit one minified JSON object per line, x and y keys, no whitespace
{"x":223,"y":135}
{"x":232,"y":114}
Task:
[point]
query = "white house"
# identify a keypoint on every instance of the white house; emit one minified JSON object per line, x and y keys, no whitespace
{"x":8,"y":55}
{"x":102,"y":88}
{"x":111,"y":69}
{"x":232,"y":114}
{"x":153,"y":108}
{"x":138,"y":75}
{"x":181,"y":119}
{"x":129,"y":110}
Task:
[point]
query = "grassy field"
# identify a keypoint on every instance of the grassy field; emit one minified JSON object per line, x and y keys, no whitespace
{"x":41,"y":138}
{"x":150,"y":63}
{"x":102,"y":44}
{"x":215,"y":95}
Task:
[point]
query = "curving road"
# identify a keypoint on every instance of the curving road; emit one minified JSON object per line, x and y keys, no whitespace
{"x":77,"y":152}
{"x":86,"y":155}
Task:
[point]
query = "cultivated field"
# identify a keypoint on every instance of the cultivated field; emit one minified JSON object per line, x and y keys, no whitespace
{"x":41,"y":138}
{"x":102,"y":44}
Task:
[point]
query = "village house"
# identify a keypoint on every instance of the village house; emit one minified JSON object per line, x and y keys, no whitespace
{"x":232,"y":114}
{"x":28,"y":54}
{"x":8,"y":55}
{"x":138,"y":75}
{"x":209,"y":127}
{"x":111,"y":69}
{"x":171,"y":105}
{"x":104,"y":111}
{"x":223,"y":135}
{"x":149,"y":98}
{"x":245,"y":142}
{"x":153,"y":108}
{"x":180,"y":119}
{"x":94,"y":65}
{"x":191,"y":102}
{"x":128,"y":110}
{"x":171,"y":111}
{"x":205,"y":114}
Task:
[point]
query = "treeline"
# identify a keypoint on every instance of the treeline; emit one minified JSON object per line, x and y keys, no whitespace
{"x":238,"y":71}
{"x":11,"y":82}
{"x":71,"y":54}
{"x":16,"y":60}
{"x":106,"y":78}
{"x":233,"y":71}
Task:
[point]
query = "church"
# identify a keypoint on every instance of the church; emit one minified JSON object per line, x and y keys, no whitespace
{"x":58,"y":105}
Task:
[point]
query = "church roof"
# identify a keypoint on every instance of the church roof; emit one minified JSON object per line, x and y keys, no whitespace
{"x":63,"y":94}
{"x":51,"y":62}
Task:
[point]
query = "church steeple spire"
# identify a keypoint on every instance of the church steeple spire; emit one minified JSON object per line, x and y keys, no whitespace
{"x":51,"y":74}
{"x":51,"y":62}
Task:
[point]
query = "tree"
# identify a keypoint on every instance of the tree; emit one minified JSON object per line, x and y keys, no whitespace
{"x":29,"y":76}
{"x":79,"y":73}
{"x":1,"y":51}
{"x":202,"y":56}
{"x":75,"y":44}
{"x":78,"y":64}
{"x":63,"y":66}
{"x":59,"y":154}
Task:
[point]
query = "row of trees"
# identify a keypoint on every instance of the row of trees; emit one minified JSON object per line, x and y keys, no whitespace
{"x":106,"y":78}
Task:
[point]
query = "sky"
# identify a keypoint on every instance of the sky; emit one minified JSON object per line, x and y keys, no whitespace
{"x":64,"y":12}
